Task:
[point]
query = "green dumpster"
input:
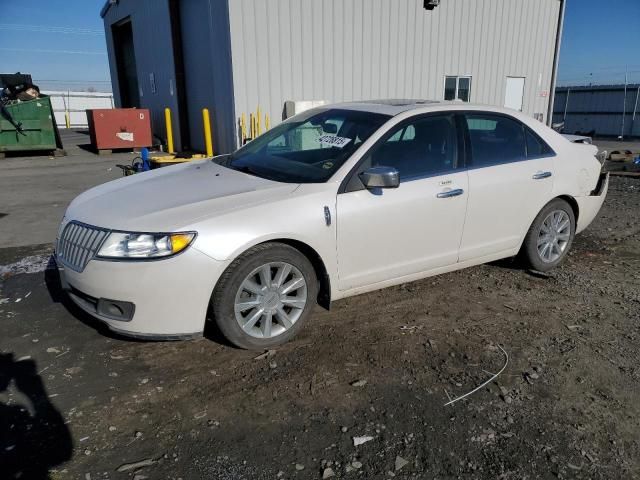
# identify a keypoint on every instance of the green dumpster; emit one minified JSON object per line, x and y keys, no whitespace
{"x":27,"y":126}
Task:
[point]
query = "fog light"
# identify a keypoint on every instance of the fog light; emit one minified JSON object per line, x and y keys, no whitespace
{"x":115,"y":309}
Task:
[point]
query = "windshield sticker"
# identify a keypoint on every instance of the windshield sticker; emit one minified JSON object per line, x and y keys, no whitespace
{"x":333,"y":141}
{"x":327,"y":165}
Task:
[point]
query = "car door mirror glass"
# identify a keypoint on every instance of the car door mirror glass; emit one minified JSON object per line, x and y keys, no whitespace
{"x":380,"y":177}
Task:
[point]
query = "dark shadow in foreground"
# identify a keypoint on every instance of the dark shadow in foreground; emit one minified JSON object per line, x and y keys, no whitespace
{"x":33,"y":438}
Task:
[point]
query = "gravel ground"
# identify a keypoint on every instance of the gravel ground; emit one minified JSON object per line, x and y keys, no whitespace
{"x":76,"y":402}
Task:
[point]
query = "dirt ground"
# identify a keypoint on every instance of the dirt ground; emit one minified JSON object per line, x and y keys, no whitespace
{"x":76,"y":402}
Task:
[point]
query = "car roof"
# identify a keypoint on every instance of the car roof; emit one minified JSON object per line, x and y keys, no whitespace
{"x":393,"y":107}
{"x":385,"y":106}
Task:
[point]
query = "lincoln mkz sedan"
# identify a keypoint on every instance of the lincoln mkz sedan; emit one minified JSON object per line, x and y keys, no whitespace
{"x":334,"y":202}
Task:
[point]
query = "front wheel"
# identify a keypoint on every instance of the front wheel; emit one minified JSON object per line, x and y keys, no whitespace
{"x":550,"y":236}
{"x":264,"y":296}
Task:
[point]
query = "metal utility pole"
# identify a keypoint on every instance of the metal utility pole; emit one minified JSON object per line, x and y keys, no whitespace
{"x":624,"y":107}
{"x":635,"y":110}
{"x":566,"y":105}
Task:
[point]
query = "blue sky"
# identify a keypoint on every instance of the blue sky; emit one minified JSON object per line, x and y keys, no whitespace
{"x":62,"y":41}
{"x":59,"y":40}
{"x":600,"y":39}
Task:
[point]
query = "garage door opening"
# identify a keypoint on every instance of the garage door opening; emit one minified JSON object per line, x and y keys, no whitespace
{"x":126,"y":64}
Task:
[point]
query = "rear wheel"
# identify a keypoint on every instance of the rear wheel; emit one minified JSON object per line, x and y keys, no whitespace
{"x":264,"y":297}
{"x":550,"y":236}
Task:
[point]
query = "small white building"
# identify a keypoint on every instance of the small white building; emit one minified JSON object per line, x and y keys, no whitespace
{"x":233,"y":56}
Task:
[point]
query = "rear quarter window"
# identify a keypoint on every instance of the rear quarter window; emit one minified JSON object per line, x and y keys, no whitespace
{"x":536,"y":147}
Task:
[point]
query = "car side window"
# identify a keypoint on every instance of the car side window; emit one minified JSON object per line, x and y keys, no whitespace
{"x":403,"y":134}
{"x":536,"y":147}
{"x":422,"y":147}
{"x":495,"y":139}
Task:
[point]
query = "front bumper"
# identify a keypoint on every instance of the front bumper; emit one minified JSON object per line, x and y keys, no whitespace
{"x":163,"y":299}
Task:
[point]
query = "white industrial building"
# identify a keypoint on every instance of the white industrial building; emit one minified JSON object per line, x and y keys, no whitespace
{"x":233,"y":56}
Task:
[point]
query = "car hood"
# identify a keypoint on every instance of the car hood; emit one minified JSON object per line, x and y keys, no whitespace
{"x":173,"y":198}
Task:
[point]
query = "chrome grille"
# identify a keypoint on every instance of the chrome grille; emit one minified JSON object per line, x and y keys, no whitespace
{"x":78,"y":244}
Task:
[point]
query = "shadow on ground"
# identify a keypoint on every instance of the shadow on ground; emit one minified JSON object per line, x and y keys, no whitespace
{"x":33,"y":438}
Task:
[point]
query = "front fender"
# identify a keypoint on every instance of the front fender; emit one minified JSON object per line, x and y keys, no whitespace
{"x":300,"y":219}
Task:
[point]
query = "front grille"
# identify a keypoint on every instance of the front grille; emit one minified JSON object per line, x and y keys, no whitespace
{"x":78,"y":244}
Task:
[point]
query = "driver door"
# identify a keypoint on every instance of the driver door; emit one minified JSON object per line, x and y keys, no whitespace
{"x":386,"y":234}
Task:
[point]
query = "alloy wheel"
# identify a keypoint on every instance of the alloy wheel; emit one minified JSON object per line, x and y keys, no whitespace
{"x":270,"y":300}
{"x":554,"y":236}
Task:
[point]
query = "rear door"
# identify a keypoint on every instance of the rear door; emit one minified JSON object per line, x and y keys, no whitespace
{"x":389,"y":233}
{"x":510,"y":180}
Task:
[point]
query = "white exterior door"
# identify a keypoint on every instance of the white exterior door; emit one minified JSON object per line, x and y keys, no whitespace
{"x":514,"y":93}
{"x":385,"y":234}
{"x":510,"y":180}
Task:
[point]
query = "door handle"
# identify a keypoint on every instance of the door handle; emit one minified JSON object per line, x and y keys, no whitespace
{"x":541,"y":175}
{"x":450,"y":193}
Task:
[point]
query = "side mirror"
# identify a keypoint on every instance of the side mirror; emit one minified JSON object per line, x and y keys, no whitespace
{"x":330,"y":128}
{"x":380,"y":177}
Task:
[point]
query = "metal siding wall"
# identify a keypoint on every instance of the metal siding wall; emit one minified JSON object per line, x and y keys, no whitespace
{"x":598,"y":108}
{"x":208,"y":80}
{"x":339,"y":50}
{"x":153,"y":48}
{"x":604,"y":125}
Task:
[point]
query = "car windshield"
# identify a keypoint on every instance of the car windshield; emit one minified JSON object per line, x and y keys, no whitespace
{"x":308,"y":148}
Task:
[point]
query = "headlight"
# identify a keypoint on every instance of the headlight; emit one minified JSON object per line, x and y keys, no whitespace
{"x":137,"y":246}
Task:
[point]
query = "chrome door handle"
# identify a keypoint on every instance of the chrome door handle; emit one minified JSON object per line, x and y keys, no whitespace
{"x":541,"y":175}
{"x":451,"y":193}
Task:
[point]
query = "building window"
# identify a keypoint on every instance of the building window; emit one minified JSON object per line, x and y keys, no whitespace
{"x":457,"y":88}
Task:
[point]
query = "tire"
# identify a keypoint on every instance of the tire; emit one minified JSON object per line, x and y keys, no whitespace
{"x":232,"y":303}
{"x":544,"y":259}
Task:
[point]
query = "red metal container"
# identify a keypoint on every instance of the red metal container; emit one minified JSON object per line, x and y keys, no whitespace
{"x":119,"y":128}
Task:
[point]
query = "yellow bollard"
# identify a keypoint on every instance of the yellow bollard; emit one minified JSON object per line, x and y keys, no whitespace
{"x":252,"y":126}
{"x":67,"y":120}
{"x":207,"y":132}
{"x":267,"y":122}
{"x":259,"y":122}
{"x":243,"y":128}
{"x":167,"y":121}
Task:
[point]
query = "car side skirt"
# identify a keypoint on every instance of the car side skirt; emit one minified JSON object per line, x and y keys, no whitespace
{"x":426,"y":274}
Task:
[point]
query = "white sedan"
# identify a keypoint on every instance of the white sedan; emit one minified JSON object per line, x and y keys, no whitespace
{"x":334,"y":202}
